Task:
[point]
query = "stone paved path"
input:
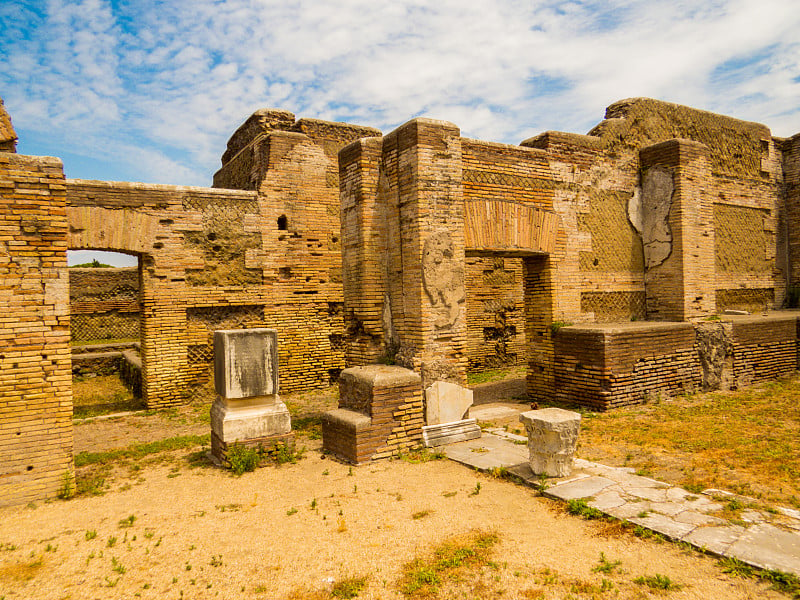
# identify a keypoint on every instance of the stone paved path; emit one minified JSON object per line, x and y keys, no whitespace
{"x":765,"y":539}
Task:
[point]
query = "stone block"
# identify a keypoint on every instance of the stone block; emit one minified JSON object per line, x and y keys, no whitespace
{"x":448,"y":433}
{"x":246,"y":363}
{"x":552,"y":439}
{"x":446,"y":402}
{"x":241,"y":420}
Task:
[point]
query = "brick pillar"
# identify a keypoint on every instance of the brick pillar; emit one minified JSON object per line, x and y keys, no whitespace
{"x":424,"y":197}
{"x":35,"y":363}
{"x":363,"y":254}
{"x":791,"y":178}
{"x":678,"y":231}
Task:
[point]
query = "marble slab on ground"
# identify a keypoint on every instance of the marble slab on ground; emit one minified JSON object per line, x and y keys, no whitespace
{"x":491,"y":412}
{"x":487,"y":452}
{"x":768,"y":547}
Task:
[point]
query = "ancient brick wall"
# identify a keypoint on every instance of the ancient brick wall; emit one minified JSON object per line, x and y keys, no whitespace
{"x":8,"y":137}
{"x":607,"y":366}
{"x":35,"y":377}
{"x":763,"y":348}
{"x":104,"y":304}
{"x":598,"y":265}
{"x":204,"y":267}
{"x":790,"y":154}
{"x":745,"y":183}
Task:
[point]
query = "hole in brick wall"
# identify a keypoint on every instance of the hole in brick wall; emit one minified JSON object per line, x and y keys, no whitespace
{"x":30,"y":468}
{"x":19,"y":433}
{"x":211,"y":236}
{"x":334,"y":239}
{"x":285,"y":272}
{"x":158,"y":246}
{"x":283,"y":223}
{"x":336,"y":340}
{"x":165,"y":222}
{"x":333,"y":375}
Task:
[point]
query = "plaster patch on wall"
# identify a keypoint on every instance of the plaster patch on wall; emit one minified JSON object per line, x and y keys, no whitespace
{"x":443,"y":279}
{"x":648,"y":212}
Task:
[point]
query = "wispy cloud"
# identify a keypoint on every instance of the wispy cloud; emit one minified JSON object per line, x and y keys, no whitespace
{"x":161,"y":85}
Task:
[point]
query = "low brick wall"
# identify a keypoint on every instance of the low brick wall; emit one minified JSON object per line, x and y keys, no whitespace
{"x":763,"y":347}
{"x":606,"y":366}
{"x":621,"y":364}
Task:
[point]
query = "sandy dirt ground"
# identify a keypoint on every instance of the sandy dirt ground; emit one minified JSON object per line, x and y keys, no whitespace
{"x":173,"y":526}
{"x":295,"y":529}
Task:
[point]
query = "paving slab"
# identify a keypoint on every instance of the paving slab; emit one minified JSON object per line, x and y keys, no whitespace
{"x":768,"y":547}
{"x":716,"y":540}
{"x":654,"y":505}
{"x":487,"y":452}
{"x":675,"y":530}
{"x":607,"y":499}
{"x":585,"y":487}
{"x":490,"y":412}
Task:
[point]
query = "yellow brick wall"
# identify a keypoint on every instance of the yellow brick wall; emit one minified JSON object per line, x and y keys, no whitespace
{"x":35,"y":371}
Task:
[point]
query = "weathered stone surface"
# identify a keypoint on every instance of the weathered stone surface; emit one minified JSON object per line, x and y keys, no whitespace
{"x":664,"y":525}
{"x":448,"y":433}
{"x":582,"y":488}
{"x":552,"y":439}
{"x":241,"y":420}
{"x":768,"y":547}
{"x":443,"y":278}
{"x":446,"y":402}
{"x":246,"y":363}
{"x":715,"y":539}
{"x":650,"y":215}
{"x":714,"y":347}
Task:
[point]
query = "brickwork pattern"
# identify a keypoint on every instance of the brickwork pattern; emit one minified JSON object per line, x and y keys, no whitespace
{"x":35,"y":377}
{"x":104,"y":304}
{"x":377,"y":418}
{"x":607,"y":367}
{"x":276,"y":247}
{"x":495,"y":312}
{"x":763,"y":348}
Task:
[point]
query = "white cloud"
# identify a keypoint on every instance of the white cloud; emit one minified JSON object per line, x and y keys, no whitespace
{"x":169,"y":82}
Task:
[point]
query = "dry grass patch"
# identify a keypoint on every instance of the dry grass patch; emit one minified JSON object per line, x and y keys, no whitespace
{"x":459,"y":560}
{"x":747,"y":441}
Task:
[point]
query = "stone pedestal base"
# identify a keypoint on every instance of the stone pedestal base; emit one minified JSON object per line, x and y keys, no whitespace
{"x":552,"y":439}
{"x":447,"y":433}
{"x":379,"y":414}
{"x":261,"y":422}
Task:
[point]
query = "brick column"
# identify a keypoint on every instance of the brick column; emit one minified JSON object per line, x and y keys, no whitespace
{"x":791,"y":178}
{"x":678,"y":231}
{"x":35,"y":363}
{"x":363,"y":254}
{"x":422,"y":161}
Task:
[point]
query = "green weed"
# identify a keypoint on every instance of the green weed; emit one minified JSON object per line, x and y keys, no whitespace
{"x":657,"y":582}
{"x":349,"y":587}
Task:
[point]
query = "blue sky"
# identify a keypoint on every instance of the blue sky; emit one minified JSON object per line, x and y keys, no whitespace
{"x":146,"y":90}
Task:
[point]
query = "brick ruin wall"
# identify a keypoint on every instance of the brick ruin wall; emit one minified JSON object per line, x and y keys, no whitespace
{"x":193,"y":282}
{"x":608,"y":366}
{"x":35,"y":377}
{"x":104,"y":304}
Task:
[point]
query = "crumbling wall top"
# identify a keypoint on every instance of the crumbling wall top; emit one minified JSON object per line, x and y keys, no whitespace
{"x":8,"y":137}
{"x":736,"y":147}
{"x":261,"y":121}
